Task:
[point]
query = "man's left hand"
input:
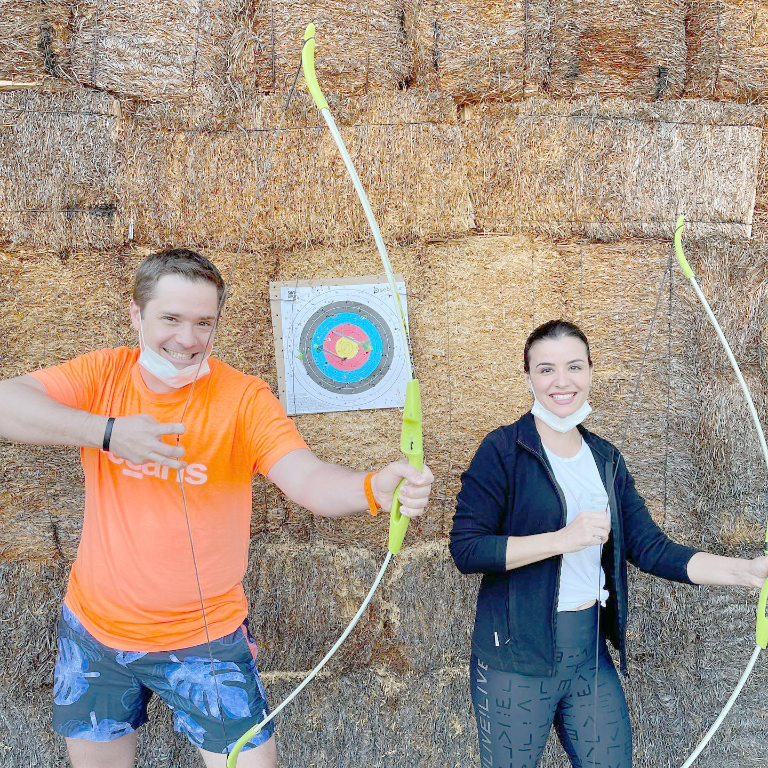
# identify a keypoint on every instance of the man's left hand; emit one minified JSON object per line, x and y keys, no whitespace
{"x":414,"y":495}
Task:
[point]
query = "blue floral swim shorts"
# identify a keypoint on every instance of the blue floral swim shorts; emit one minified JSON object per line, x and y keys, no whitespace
{"x":101,"y":693}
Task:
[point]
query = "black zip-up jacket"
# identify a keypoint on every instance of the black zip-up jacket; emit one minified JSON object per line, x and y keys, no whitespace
{"x":509,"y":489}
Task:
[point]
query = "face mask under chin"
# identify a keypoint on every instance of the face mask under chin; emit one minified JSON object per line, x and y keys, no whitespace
{"x":560,"y":423}
{"x":165,"y":370}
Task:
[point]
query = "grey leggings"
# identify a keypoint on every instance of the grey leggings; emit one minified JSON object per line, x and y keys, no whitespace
{"x":515,"y":713}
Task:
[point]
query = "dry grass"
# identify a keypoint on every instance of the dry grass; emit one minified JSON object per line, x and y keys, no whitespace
{"x":612,"y":169}
{"x":360,"y":46}
{"x":728,"y":50}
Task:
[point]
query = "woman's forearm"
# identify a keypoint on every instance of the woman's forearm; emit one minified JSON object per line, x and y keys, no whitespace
{"x":524,"y":550}
{"x":704,"y":568}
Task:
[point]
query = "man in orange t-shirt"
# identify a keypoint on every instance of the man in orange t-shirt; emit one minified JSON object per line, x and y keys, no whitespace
{"x":169,"y":439}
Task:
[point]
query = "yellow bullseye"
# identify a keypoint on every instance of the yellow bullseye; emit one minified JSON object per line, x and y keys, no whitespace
{"x":346,"y":348}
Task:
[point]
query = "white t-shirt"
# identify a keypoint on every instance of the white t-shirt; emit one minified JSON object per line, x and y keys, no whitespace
{"x":583,"y":489}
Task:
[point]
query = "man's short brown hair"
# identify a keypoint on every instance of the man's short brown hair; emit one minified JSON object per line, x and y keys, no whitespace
{"x":176,"y":261}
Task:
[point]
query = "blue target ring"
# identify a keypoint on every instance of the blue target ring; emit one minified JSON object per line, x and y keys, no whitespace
{"x":327,"y":369}
{"x":325,"y":362}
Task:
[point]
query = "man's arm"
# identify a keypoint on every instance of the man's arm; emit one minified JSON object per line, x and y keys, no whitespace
{"x":29,"y":415}
{"x":331,"y":490}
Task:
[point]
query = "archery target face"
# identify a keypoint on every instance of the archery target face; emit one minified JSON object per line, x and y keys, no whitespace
{"x":342,"y":348}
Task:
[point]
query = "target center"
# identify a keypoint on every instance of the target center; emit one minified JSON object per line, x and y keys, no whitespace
{"x":346,"y":348}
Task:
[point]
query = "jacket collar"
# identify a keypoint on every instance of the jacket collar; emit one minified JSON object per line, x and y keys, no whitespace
{"x":529,"y":438}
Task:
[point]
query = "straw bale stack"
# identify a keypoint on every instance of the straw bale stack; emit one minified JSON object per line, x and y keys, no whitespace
{"x":733,"y":274}
{"x":360,"y":46}
{"x":469,"y":51}
{"x":33,"y":38}
{"x":58,"y":162}
{"x":424,"y":583}
{"x":302,"y":596}
{"x":728,"y":50}
{"x":198,"y":187}
{"x":31,"y":599}
{"x":612,"y":169}
{"x":628,"y":49}
{"x":161,"y":51}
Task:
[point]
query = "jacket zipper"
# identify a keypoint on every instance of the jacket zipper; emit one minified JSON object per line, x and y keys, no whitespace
{"x":563,"y":518}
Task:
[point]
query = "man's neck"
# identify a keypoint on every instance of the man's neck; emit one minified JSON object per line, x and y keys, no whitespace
{"x":153,"y":384}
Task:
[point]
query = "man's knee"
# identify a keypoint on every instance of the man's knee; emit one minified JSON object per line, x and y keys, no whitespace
{"x":120,"y":753}
{"x":263,"y":756}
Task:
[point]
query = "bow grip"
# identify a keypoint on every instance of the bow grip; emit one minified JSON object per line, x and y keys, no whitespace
{"x":412,"y":445}
{"x":762,"y":620}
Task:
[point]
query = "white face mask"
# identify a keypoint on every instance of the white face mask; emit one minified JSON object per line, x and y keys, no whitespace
{"x":165,"y":370}
{"x":560,"y":423}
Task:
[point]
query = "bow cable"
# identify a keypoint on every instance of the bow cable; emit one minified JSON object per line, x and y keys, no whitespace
{"x":208,"y":345}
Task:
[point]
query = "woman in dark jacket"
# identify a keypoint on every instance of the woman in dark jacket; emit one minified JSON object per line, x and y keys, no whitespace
{"x":549,"y":514}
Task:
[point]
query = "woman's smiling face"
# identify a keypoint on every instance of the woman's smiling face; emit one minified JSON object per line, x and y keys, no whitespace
{"x":560,"y":374}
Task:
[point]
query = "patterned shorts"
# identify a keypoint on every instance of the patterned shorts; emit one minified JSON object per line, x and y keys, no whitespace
{"x":101,"y":694}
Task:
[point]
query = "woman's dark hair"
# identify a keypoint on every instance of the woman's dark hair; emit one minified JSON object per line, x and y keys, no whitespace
{"x":553,"y":329}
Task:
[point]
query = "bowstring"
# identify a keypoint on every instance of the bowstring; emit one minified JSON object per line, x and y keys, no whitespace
{"x":625,"y":435}
{"x":208,"y":345}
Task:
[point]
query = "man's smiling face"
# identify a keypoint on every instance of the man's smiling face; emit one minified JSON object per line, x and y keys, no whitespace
{"x":176,"y":323}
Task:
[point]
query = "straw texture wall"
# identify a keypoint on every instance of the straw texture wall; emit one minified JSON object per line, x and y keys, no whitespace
{"x":470,"y":51}
{"x":633,"y":50}
{"x":525,"y":161}
{"x":608,"y":169}
{"x":364,"y":53}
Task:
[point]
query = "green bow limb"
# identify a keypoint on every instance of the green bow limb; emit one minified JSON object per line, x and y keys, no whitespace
{"x":761,"y":633}
{"x":411,"y":435}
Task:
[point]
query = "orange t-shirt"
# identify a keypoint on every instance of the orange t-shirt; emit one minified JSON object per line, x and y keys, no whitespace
{"x":133,"y":583}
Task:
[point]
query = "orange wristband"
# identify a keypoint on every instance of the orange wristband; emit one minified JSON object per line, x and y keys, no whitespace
{"x":373,"y":505}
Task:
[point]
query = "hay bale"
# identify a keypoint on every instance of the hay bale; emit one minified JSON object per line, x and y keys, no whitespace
{"x":360,"y":46}
{"x":164,"y":51}
{"x":58,"y":161}
{"x":424,"y":583}
{"x":198,"y":187}
{"x":728,"y":50}
{"x":26,"y":737}
{"x":374,"y":717}
{"x":31,"y":596}
{"x":33,"y":37}
{"x":760,"y":218}
{"x":731,"y":465}
{"x":612,"y":169}
{"x":469,"y":51}
{"x":733,"y":274}
{"x":303,"y":596}
{"x":627,"y":49}
{"x":42,"y":501}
